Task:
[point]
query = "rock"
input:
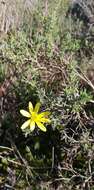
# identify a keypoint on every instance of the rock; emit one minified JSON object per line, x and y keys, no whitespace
{"x":82,"y":10}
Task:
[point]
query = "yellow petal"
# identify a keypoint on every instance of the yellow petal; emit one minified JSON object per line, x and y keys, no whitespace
{"x":45,"y":120}
{"x":25,"y":113}
{"x":44,"y":114}
{"x":41,"y":126}
{"x":25,"y":124}
{"x":32,"y":125}
{"x":37,"y":107}
{"x":30,"y":107}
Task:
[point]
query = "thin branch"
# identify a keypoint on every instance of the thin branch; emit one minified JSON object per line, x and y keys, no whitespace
{"x":85,"y":78}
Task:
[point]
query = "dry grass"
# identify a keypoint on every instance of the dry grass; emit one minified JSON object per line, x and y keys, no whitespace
{"x":13,"y":13}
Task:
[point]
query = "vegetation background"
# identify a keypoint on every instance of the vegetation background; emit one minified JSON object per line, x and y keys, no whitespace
{"x":47,"y":56}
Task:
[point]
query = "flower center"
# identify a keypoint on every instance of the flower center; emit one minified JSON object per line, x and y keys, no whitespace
{"x":34,"y":116}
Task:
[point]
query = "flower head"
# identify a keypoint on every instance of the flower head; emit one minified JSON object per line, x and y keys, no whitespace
{"x":35,"y":118}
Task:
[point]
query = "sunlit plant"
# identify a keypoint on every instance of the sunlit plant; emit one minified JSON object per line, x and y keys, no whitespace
{"x":35,"y":118}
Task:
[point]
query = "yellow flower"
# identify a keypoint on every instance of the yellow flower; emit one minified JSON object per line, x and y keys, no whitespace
{"x":35,"y":118}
